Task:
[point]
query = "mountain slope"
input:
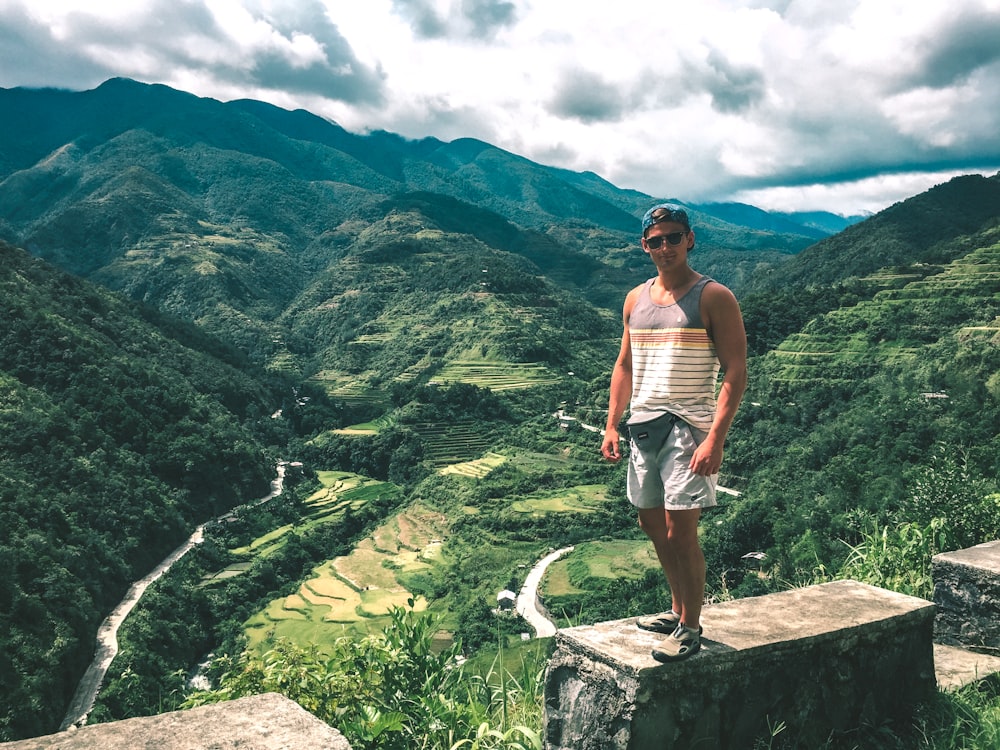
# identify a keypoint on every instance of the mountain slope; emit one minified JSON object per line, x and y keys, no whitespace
{"x":412,"y":296}
{"x":920,"y":228}
{"x":878,"y":414}
{"x":87,"y":177}
{"x":115,"y":440}
{"x":913,"y":308}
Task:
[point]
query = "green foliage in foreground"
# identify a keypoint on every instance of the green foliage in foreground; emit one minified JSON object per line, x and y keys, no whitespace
{"x":898,"y":558}
{"x":392,"y":691}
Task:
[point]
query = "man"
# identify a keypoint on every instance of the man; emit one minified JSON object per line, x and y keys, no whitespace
{"x":680,"y":329}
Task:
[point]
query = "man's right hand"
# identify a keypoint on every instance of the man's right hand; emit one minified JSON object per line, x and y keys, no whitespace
{"x":611,"y":447}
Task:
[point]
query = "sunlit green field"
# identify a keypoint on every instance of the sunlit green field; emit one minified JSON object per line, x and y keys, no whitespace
{"x":610,"y":560}
{"x":353,"y":593}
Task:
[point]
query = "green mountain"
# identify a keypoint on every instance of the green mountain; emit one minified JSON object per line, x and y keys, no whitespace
{"x":297,"y":241}
{"x":120,"y":432}
{"x":920,"y":229}
{"x":100,"y":178}
{"x":880,"y":413}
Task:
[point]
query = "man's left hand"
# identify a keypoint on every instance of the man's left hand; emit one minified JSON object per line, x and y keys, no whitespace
{"x":707,"y":458}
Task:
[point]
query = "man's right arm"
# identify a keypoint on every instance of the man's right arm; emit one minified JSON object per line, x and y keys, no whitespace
{"x":621,"y":390}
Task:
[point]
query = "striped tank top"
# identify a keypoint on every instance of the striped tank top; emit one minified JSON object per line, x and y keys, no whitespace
{"x":674,"y":365}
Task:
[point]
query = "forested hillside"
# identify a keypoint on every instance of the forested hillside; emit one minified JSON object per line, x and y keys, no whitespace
{"x":922,"y":229}
{"x":881,"y":412}
{"x":117,"y":437}
{"x":130,"y":180}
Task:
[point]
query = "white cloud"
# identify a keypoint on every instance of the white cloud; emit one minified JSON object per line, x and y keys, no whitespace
{"x":857,"y":197}
{"x":813,"y":102}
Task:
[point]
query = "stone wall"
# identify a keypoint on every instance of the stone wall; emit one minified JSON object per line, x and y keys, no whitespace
{"x":260,"y":722}
{"x":967,"y":594}
{"x":819,"y":661}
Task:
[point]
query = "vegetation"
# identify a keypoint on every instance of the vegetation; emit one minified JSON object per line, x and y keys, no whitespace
{"x":396,"y":690}
{"x":106,"y":426}
{"x":407,"y":319}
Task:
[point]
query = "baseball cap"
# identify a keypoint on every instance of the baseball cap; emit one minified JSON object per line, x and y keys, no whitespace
{"x":665,"y":212}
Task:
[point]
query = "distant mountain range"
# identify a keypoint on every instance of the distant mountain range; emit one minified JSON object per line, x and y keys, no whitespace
{"x":248,"y":220}
{"x":172,"y":159}
{"x":352,"y":258}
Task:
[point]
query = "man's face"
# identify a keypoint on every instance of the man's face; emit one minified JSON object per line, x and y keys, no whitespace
{"x":668,"y":239}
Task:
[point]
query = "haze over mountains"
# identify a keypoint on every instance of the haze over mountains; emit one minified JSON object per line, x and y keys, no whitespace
{"x":212,"y":264}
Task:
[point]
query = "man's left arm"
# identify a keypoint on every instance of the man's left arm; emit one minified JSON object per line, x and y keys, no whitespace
{"x":724,"y":321}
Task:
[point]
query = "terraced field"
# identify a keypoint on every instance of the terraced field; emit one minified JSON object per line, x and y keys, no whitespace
{"x":897,"y":322}
{"x":476,"y":469}
{"x":341,"y":490}
{"x":350,"y":389}
{"x":354,"y":593}
{"x":573,"y":575}
{"x":497,"y":376}
{"x":452,"y":442}
{"x":579,"y":499}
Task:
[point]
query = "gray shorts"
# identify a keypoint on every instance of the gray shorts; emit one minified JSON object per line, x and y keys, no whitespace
{"x":660,"y":477}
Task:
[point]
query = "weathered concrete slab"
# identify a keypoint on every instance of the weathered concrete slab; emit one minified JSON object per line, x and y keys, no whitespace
{"x":260,"y":722}
{"x":967,"y":595}
{"x":956,"y":667}
{"x":822,"y":660}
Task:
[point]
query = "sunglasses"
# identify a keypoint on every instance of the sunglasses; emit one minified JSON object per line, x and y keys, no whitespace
{"x":674,"y":238}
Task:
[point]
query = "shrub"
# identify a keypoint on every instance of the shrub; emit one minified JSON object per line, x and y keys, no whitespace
{"x":390,"y":691}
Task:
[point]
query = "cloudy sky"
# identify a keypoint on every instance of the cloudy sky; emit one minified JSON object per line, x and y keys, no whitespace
{"x":839,"y":105}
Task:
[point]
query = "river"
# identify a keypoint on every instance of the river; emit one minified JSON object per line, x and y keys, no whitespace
{"x":107,"y":634}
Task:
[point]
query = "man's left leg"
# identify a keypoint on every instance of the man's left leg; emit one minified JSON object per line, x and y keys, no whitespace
{"x":675,"y":537}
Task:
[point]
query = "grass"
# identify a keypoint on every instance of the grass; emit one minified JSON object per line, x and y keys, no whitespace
{"x":579,"y":499}
{"x":476,"y":469}
{"x":496,"y":375}
{"x":609,"y":560}
{"x":356,"y":591}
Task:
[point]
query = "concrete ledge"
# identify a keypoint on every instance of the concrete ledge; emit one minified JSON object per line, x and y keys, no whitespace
{"x":824,"y":660}
{"x":260,"y":722}
{"x":967,"y":595}
{"x":956,"y":667}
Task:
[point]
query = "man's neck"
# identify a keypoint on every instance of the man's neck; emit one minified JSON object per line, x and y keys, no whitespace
{"x":676,"y":280}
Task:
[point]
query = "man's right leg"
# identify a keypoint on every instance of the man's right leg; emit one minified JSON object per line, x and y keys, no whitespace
{"x":674,"y":535}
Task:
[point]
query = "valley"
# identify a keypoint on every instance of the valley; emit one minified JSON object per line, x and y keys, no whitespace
{"x":193,"y":289}
{"x":107,"y":635}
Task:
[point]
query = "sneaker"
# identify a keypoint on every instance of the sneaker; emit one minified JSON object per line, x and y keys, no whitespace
{"x":680,"y":644}
{"x":665,"y":622}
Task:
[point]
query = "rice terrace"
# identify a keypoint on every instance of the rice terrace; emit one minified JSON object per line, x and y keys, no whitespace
{"x":354,"y":592}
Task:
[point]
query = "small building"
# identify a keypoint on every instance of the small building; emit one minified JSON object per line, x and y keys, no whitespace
{"x":506,"y":600}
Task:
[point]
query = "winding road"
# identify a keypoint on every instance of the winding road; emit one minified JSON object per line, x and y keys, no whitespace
{"x":107,"y":634}
{"x":528,"y":605}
